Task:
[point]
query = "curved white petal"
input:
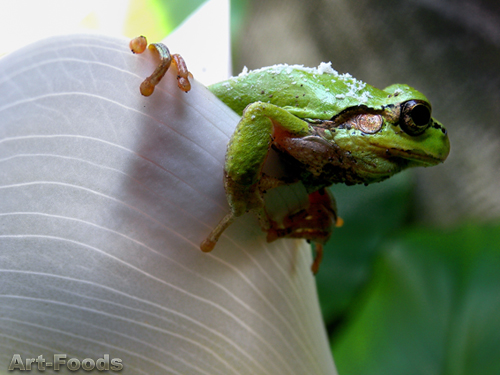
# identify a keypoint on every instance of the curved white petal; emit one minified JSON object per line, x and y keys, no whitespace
{"x":105,"y":196}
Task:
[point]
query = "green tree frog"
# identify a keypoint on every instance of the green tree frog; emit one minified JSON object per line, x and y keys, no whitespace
{"x":327,"y":127}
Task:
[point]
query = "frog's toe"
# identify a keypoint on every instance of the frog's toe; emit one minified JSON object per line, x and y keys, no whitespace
{"x":318,"y":258}
{"x":209,"y":243}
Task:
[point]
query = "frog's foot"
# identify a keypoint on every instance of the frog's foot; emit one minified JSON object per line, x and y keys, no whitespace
{"x":275,"y":233}
{"x":314,"y":223}
{"x":265,"y":222}
{"x":138,"y":45}
{"x":208,"y":243}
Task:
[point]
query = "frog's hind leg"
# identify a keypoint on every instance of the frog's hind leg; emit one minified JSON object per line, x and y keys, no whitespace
{"x":261,"y":125}
{"x":314,"y":223}
{"x":265,"y":221}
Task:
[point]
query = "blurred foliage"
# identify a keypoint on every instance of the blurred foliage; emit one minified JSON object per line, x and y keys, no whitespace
{"x":157,"y":18}
{"x":371,"y":214}
{"x":401,"y":299}
{"x":148,"y":17}
{"x":432,"y":306}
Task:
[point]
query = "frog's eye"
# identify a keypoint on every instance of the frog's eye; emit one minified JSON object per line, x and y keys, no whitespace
{"x":415,"y":117}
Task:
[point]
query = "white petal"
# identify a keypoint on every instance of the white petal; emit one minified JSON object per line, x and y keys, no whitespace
{"x":105,"y":196}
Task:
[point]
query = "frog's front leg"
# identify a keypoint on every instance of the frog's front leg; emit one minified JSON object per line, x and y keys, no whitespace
{"x":261,"y":125}
{"x":315,"y":223}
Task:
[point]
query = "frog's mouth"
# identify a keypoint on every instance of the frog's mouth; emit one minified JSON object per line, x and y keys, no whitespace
{"x":417,"y":157}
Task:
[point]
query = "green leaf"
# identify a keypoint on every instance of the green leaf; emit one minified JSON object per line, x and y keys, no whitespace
{"x":150,"y":18}
{"x":370,"y":213}
{"x":432,"y":308}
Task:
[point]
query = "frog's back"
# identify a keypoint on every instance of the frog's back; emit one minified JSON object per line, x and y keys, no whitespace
{"x":315,"y":93}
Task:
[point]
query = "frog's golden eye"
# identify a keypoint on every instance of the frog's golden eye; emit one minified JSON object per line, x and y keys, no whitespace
{"x":415,"y":117}
{"x":368,"y":123}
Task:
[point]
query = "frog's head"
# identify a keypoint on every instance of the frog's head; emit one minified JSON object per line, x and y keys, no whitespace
{"x":394,"y":132}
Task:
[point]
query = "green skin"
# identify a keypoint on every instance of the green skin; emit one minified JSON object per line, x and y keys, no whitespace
{"x":327,"y":127}
{"x":317,"y":121}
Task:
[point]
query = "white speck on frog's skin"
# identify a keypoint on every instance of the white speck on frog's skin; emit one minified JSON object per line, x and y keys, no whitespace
{"x":323,"y":68}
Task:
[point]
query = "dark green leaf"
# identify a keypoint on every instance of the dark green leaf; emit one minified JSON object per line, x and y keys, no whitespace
{"x":370,"y":213}
{"x":433,"y":308}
